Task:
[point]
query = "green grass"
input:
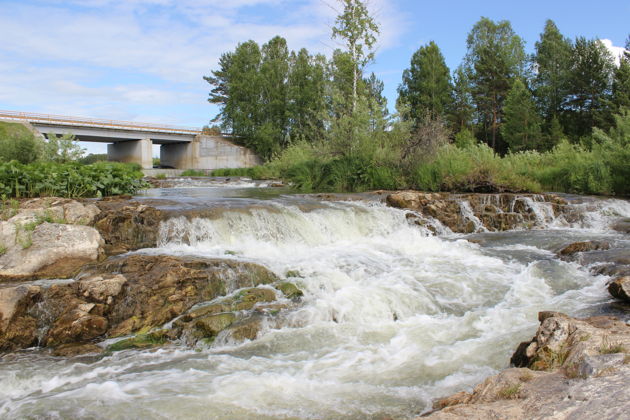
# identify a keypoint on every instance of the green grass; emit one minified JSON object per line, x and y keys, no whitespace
{"x":3,"y":250}
{"x":193,"y":172}
{"x":510,"y":392}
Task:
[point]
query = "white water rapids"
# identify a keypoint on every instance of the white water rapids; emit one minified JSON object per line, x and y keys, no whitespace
{"x":391,"y":318}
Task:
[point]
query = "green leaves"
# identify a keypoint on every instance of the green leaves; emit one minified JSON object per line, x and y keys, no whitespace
{"x":69,"y":179}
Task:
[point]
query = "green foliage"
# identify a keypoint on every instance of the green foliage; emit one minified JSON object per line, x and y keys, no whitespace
{"x":495,"y":58}
{"x":69,"y":180}
{"x":193,"y":172}
{"x":553,"y":62}
{"x":521,"y":126}
{"x":62,"y":149}
{"x":93,"y":158}
{"x":17,"y":142}
{"x":465,"y":138}
{"x":426,"y":85}
{"x":255,"y":172}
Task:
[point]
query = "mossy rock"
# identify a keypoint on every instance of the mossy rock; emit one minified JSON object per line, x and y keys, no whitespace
{"x":293,"y":273}
{"x":140,"y":341}
{"x":250,"y":297}
{"x":290,"y":290}
{"x":211,"y":325}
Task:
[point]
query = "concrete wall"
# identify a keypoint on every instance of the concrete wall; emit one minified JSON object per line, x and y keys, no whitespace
{"x":132,"y":151}
{"x":207,"y":152}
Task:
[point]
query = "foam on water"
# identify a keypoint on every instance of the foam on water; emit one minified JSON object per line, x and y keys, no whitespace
{"x":391,"y":317}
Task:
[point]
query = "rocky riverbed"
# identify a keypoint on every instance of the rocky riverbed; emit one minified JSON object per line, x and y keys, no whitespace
{"x":136,"y":274}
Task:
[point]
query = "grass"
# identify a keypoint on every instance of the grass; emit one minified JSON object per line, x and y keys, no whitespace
{"x":3,"y":250}
{"x":608,"y":347}
{"x":510,"y":392}
{"x":193,"y":172}
{"x":9,"y":208}
{"x":160,"y":176}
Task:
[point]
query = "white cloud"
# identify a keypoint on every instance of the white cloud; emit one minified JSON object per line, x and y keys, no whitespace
{"x":163,"y":46}
{"x":617,"y":52}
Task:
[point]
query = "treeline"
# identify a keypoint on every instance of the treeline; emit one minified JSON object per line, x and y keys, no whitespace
{"x":502,"y":120}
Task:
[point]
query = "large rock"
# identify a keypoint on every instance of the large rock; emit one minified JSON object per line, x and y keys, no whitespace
{"x":124,"y":295}
{"x":127,"y":225}
{"x":585,"y":246}
{"x":581,"y":371}
{"x":620,"y":288}
{"x":467,"y":213}
{"x":50,"y":250}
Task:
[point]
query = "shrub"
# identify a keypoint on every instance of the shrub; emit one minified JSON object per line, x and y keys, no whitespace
{"x":69,"y":179}
{"x":17,"y":142}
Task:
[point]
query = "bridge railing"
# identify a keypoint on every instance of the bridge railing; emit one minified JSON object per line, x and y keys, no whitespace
{"x":94,"y":122}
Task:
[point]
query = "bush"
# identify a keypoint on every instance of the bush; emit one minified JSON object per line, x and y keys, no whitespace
{"x":193,"y":172}
{"x":17,"y":142}
{"x":69,"y":179}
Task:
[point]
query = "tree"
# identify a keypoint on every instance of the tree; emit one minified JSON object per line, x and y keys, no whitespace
{"x":462,"y":107}
{"x":358,"y":30}
{"x":521,"y":128}
{"x":306,"y":96}
{"x":552,"y":62}
{"x":62,"y":149}
{"x":377,"y":103}
{"x":495,"y":57}
{"x":426,"y":85}
{"x":590,"y":83}
{"x":17,"y":142}
{"x":274,"y":75}
{"x":621,"y":81}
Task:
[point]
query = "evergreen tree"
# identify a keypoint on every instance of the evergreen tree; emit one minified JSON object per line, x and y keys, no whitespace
{"x":590,"y":84}
{"x":621,"y":81}
{"x":552,"y":62}
{"x":462,"y":108}
{"x":521,"y":127}
{"x":495,"y":57}
{"x":426,"y":85}
{"x":377,"y":103}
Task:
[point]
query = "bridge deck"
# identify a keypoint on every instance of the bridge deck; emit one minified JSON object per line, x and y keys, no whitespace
{"x":93,"y":122}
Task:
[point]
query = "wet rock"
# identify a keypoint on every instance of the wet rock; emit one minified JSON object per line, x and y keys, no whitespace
{"x":17,"y":328}
{"x":74,"y":349}
{"x":564,"y":342}
{"x":102,"y":288}
{"x":467,"y":213}
{"x":160,"y":288}
{"x":76,"y":326}
{"x":127,"y":226}
{"x":290,"y":290}
{"x":246,"y":329}
{"x":50,"y":250}
{"x":140,"y":341}
{"x":585,"y":246}
{"x":622,"y":225}
{"x":620,"y":288}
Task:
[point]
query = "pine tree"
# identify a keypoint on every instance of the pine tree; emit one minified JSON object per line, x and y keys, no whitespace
{"x":462,"y":108}
{"x":590,"y":84}
{"x":521,"y":127}
{"x":426,"y":85}
{"x":552,"y":62}
{"x":495,"y":57}
{"x":621,"y":82}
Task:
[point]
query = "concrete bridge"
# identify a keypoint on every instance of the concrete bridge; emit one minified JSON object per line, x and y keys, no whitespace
{"x":180,"y":147}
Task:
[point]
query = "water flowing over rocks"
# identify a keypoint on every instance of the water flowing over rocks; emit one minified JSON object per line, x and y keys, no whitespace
{"x":468,"y":213}
{"x":571,"y":369}
{"x":48,"y":238}
{"x":121,"y":296}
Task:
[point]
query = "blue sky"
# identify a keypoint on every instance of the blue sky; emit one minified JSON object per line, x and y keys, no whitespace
{"x":143,"y":60}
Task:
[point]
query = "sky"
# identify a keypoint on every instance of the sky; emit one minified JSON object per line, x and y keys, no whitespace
{"x":144,"y":60}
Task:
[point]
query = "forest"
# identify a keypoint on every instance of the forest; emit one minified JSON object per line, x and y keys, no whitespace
{"x":504,"y":120}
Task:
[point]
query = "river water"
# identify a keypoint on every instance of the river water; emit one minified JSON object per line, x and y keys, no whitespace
{"x":392,"y":316}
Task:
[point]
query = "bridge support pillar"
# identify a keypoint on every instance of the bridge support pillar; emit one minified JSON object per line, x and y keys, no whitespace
{"x":132,"y":151}
{"x":180,"y":155}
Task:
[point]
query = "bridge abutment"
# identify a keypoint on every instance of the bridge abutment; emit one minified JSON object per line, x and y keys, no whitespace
{"x":132,"y":151}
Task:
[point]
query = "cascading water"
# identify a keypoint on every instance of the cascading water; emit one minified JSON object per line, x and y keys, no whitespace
{"x":391,"y":318}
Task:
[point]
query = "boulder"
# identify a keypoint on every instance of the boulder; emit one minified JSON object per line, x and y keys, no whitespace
{"x":585,"y":246}
{"x":50,"y":250}
{"x":620,"y":288}
{"x":127,"y":225}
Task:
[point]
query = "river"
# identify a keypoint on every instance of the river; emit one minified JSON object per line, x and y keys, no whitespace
{"x":392,"y":315}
